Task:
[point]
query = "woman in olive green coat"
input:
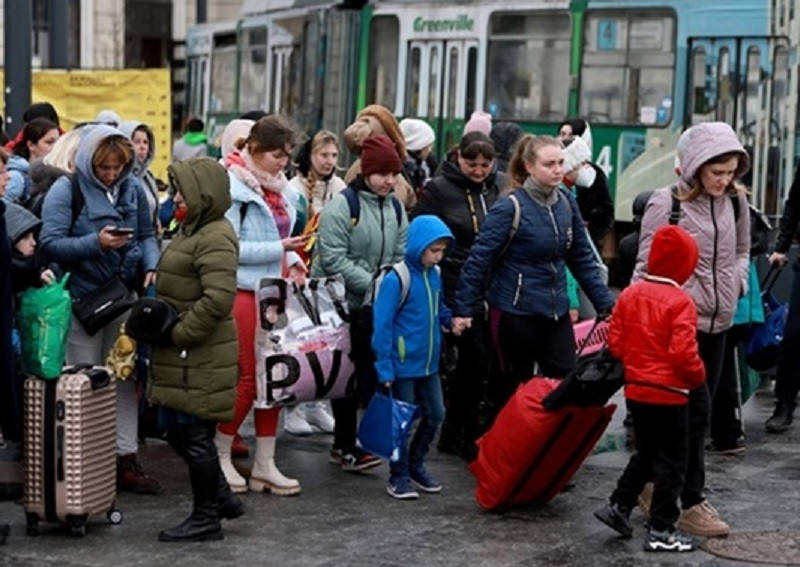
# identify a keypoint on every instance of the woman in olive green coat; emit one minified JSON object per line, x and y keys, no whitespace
{"x":194,"y":370}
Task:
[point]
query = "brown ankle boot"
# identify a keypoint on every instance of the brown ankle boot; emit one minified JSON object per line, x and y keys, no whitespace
{"x":131,"y":477}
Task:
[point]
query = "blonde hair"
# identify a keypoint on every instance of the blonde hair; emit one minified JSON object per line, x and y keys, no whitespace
{"x":526,"y":150}
{"x":64,"y":150}
{"x":319,"y":140}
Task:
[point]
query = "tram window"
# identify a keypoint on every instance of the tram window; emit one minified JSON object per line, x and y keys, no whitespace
{"x":627,"y":71}
{"x":452,"y":81}
{"x":472,"y":71}
{"x":413,"y":80}
{"x":724,"y":87}
{"x":223,"y":73}
{"x":253,"y":61}
{"x":528,"y":66}
{"x":434,"y":81}
{"x":383,"y":54}
{"x":703,"y":102}
{"x":752,"y":106}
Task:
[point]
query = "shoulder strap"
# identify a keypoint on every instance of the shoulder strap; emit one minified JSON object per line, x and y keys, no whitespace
{"x":76,"y":200}
{"x":735,"y":203}
{"x":566,"y":195}
{"x":398,"y":211}
{"x":512,"y":231}
{"x":675,"y":212}
{"x":353,"y":204}
{"x":404,"y":275}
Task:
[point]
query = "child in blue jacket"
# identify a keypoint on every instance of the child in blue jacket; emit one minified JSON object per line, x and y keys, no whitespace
{"x":407,"y":340}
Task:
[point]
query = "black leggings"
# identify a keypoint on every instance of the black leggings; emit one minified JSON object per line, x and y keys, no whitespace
{"x":519,"y":342}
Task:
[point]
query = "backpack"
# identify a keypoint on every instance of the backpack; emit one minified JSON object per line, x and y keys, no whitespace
{"x":36,"y":203}
{"x":355,"y":206}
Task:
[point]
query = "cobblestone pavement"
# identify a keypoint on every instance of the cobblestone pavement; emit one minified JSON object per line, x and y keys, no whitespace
{"x":348,"y":519}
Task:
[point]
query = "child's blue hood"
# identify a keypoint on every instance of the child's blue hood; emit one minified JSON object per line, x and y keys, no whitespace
{"x":90,"y":139}
{"x":18,"y":163}
{"x":422,"y":232}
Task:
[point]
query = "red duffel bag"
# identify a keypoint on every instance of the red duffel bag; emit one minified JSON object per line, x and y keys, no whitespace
{"x":529,"y":454}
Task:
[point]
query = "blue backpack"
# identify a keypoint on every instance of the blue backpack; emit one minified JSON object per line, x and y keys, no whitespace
{"x":764,"y":344}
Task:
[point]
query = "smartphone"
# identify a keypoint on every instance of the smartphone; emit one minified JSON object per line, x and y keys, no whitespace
{"x":121,"y":231}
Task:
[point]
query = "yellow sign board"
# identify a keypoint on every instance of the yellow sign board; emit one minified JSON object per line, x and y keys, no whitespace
{"x":143,"y":95}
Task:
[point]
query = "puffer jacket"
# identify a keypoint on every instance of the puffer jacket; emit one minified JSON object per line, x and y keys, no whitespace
{"x":261,"y":253}
{"x":76,"y":247}
{"x":462,"y":204}
{"x":721,"y":276}
{"x":19,"y":182}
{"x":530,"y":279}
{"x":197,"y":374}
{"x":358,"y":251}
{"x":407,"y":338}
{"x":654,"y":325}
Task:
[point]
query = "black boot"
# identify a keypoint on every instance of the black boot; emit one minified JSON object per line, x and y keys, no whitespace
{"x":230,"y":505}
{"x":781,"y":418}
{"x":204,"y":473}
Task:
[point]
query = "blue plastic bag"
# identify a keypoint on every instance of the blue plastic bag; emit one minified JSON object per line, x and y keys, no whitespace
{"x":764,"y":344}
{"x":385,"y":426}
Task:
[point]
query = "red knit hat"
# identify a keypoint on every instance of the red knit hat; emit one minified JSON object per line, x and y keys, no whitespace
{"x":378,"y":155}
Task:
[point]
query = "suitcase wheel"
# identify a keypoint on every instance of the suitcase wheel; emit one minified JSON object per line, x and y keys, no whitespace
{"x":114,"y":516}
{"x":77,"y":527}
{"x":32,"y":524}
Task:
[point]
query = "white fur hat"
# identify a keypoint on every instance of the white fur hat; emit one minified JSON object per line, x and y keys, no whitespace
{"x":575,"y":154}
{"x":417,"y":133}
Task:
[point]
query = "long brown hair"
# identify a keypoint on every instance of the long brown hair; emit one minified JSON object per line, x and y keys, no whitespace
{"x":526,"y":150}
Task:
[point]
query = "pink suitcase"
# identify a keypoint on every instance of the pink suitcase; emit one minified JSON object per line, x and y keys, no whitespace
{"x":70,"y":449}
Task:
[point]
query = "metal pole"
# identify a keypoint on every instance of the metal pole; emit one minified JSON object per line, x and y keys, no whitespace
{"x":202,"y":15}
{"x":57,"y":16}
{"x":18,"y":23}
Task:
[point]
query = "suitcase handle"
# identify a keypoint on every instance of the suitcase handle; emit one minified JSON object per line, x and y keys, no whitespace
{"x":99,"y":378}
{"x":75,"y":368}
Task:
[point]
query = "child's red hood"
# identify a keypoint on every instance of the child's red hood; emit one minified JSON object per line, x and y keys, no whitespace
{"x":673,"y":254}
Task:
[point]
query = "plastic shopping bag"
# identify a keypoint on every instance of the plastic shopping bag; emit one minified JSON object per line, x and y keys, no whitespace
{"x":44,"y":318}
{"x":385,"y":426}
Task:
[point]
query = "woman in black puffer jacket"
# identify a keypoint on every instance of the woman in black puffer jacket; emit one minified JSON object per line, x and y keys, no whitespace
{"x":461,"y":195}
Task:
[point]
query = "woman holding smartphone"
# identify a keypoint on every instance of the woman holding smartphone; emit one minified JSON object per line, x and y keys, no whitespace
{"x":263,"y":212}
{"x":109,"y":235}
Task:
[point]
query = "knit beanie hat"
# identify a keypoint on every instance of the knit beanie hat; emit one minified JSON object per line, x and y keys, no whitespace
{"x":19,"y":222}
{"x":480,"y":121}
{"x":575,"y":154}
{"x":417,"y":133}
{"x":379,"y":155}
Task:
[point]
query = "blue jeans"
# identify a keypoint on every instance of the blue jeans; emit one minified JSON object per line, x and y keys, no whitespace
{"x":427,"y":394}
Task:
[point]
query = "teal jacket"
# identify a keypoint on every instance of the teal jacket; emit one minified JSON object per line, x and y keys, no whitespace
{"x":357,"y":251}
{"x":407,"y":336}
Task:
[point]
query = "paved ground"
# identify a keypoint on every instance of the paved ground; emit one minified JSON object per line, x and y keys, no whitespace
{"x":345,"y":519}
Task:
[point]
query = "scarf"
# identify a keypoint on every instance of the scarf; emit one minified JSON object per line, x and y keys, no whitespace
{"x":241,"y":164}
{"x":546,"y":197}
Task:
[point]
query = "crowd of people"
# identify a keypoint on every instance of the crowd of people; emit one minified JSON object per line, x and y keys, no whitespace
{"x":501,"y":240}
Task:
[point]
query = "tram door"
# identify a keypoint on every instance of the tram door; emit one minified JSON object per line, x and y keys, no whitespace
{"x":744,"y":81}
{"x":441,"y":85}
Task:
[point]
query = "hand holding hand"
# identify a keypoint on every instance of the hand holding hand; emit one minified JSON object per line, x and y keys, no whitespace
{"x":461,"y":324}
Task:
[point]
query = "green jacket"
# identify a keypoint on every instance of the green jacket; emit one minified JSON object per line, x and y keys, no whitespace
{"x":197,"y":276}
{"x":358,"y":251}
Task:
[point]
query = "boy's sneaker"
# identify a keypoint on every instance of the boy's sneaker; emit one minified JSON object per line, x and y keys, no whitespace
{"x":425,"y":480}
{"x":400,"y":488}
{"x":668,"y":540}
{"x":617,"y":518}
{"x":354,"y":461}
{"x":703,"y":520}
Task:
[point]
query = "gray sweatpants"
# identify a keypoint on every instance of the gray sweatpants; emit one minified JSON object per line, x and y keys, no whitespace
{"x":81,"y":348}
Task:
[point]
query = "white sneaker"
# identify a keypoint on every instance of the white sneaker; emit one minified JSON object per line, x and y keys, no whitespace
{"x":294,"y":421}
{"x":318,"y":417}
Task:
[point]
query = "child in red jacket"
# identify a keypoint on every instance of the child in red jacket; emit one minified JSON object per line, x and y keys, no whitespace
{"x":653,"y":332}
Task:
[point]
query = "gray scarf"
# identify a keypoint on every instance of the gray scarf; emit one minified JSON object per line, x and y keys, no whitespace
{"x":545,"y":197}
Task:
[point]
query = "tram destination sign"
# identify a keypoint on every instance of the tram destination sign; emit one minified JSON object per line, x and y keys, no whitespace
{"x":461,"y":23}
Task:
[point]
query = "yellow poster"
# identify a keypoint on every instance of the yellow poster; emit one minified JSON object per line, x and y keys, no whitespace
{"x":142,"y":95}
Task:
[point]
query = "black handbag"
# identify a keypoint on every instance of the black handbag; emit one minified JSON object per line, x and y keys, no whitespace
{"x":108,"y":302}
